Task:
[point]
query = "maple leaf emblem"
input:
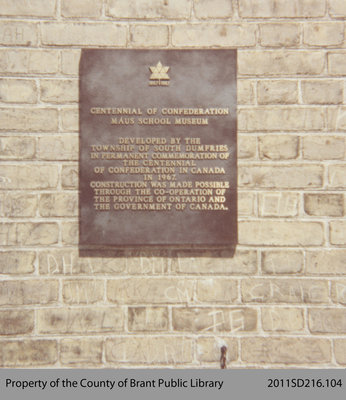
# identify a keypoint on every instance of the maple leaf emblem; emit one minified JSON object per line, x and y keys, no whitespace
{"x":159,"y":72}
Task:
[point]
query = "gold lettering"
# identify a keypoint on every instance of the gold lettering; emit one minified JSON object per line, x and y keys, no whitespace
{"x":115,"y":111}
{"x":156,"y":163}
{"x":191,"y":121}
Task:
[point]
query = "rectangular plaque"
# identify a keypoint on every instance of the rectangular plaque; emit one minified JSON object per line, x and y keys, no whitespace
{"x":158,"y":148}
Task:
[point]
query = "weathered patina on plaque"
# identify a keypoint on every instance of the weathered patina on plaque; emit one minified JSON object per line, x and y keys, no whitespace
{"x":158,"y":148}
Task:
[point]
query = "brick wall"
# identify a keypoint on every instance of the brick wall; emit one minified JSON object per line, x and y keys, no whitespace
{"x":280,"y":300}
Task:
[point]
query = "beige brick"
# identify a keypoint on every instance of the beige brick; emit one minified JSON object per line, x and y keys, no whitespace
{"x":82,"y":291}
{"x":40,"y":62}
{"x":209,"y":349}
{"x":19,"y":292}
{"x":80,"y":320}
{"x":245,"y":92}
{"x":8,"y":234}
{"x":282,"y":262}
{"x":324,"y":33}
{"x":18,"y":91}
{"x":138,"y":9}
{"x":81,"y":351}
{"x":337,"y":176}
{"x":83,"y":34}
{"x":36,"y":8}
{"x":151,"y":290}
{"x":69,"y":177}
{"x":336,"y":117}
{"x":28,"y":177}
{"x":148,"y":319}
{"x":149,"y":35}
{"x":285,"y":350}
{"x":29,"y":61}
{"x":277,"y":92}
{"x":81,"y":8}
{"x":33,"y":234}
{"x":19,"y":205}
{"x":28,"y":119}
{"x":247,"y":147}
{"x":8,"y":231}
{"x":70,"y":120}
{"x":150,"y":350}
{"x":246,"y":203}
{"x":326,"y":262}
{"x":337,"y":8}
{"x":280,"y":233}
{"x":281,"y":8}
{"x":68,"y":262}
{"x":338,"y":292}
{"x":276,"y":176}
{"x":58,"y":148}
{"x":58,"y":205}
{"x":205,"y":9}
{"x":214,"y":319}
{"x":278,"y":147}
{"x":28,"y":353}
{"x":278,"y":319}
{"x":331,"y":205}
{"x":16,"y":322}
{"x":338,"y":232}
{"x":322,"y":92}
{"x":214,"y":35}
{"x":146,"y":263}
{"x":70,"y":62}
{"x":59,"y":91}
{"x":216,"y":262}
{"x":69,"y":232}
{"x":327,"y":320}
{"x":17,"y":148}
{"x":281,"y":119}
{"x":340,"y":347}
{"x":17,"y":262}
{"x":323,"y":148}
{"x":337,"y":63}
{"x":279,"y":35}
{"x":217,"y":290}
{"x":280,"y":62}
{"x":13,"y":33}
{"x":260,"y":290}
{"x":278,"y":204}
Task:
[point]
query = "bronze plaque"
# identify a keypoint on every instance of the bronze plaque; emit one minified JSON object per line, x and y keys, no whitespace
{"x":158,"y":148}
